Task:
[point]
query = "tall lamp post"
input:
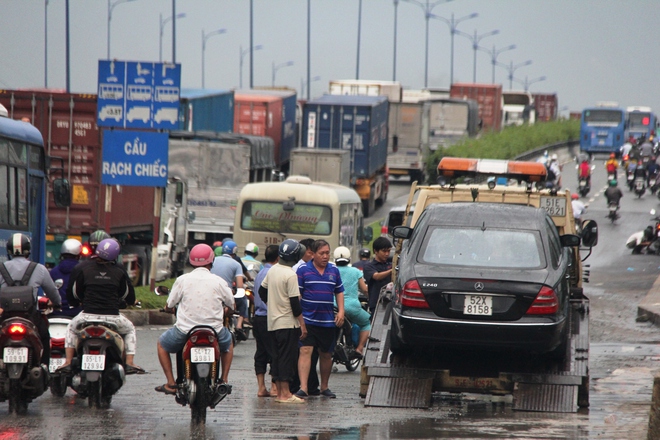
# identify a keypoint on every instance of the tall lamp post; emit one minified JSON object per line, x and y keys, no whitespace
{"x":278,"y":67}
{"x":111,"y":6}
{"x":359,"y":29}
{"x":511,"y":68}
{"x":494,"y":54}
{"x":204,"y":38}
{"x":242,"y":53}
{"x":427,"y":7}
{"x":396,"y":14}
{"x":528,"y":82}
{"x":475,"y":45}
{"x":303,"y":83}
{"x":46,"y":44}
{"x":162,"y":27}
{"x":452,"y":30}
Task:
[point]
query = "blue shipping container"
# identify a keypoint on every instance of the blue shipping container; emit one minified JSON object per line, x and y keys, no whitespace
{"x":206,"y":110}
{"x":349,"y":122}
{"x":289,"y":102}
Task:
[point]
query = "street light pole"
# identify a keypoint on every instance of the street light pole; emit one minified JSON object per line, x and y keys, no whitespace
{"x":46,"y":44}
{"x":494,"y":54}
{"x":278,"y":67}
{"x":304,"y":83}
{"x":452,"y":30}
{"x":204,"y":38}
{"x":427,"y":7}
{"x":309,"y":49}
{"x":357,"y":64}
{"x":162,"y":27}
{"x":396,"y":14}
{"x":512,"y":68}
{"x":475,"y":45}
{"x":111,"y":6}
{"x":242,"y":52}
{"x":529,"y":82}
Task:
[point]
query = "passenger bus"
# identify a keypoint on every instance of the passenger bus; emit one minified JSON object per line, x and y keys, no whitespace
{"x":270,"y":212}
{"x":602,"y":129}
{"x":641,"y":121}
{"x":22,"y":185}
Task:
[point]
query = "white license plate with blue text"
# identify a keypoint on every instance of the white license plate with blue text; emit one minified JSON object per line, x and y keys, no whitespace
{"x":478,"y":305}
{"x":93,"y":362}
{"x":202,"y":355}
{"x":15,"y":355}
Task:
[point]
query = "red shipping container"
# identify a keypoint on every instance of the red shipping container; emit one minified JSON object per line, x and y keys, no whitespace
{"x":259,"y":115}
{"x":489,"y":99}
{"x":67,"y":123}
{"x":546,"y":105}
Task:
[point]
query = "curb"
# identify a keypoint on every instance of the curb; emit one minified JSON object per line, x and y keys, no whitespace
{"x":148,"y":317}
{"x":649,"y":307}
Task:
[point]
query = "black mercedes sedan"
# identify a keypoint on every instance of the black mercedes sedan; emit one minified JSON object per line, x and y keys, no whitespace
{"x":483,"y":276}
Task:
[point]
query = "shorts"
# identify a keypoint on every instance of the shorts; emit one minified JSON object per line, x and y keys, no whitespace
{"x":242,"y":306}
{"x":323,"y":338}
{"x":174,"y":339}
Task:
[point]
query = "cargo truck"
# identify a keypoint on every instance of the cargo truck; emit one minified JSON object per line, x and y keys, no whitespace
{"x":366,"y":87}
{"x":331,"y":166}
{"x":489,"y":99}
{"x":517,"y":108}
{"x":546,"y":105}
{"x":203,"y":109}
{"x":357,"y":124}
{"x":67,"y":123}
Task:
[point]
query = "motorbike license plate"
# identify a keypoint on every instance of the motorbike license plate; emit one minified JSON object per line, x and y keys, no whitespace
{"x":93,"y":362}
{"x":55,"y":363}
{"x":202,"y":354}
{"x":15,"y":355}
{"x":478,"y":305}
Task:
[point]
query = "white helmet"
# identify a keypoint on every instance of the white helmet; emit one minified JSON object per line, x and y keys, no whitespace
{"x":555,"y":157}
{"x":251,"y":249}
{"x":342,"y":255}
{"x":71,"y":247}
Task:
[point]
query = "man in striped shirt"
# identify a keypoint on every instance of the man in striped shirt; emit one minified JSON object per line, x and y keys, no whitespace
{"x":320,"y":283}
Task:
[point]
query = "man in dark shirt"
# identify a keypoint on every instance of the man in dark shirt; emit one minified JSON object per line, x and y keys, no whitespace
{"x":378,"y":272}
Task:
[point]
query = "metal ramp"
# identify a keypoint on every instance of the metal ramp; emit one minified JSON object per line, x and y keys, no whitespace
{"x":388,"y":381}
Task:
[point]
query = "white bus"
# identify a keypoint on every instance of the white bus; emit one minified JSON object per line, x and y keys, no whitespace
{"x":270,"y":212}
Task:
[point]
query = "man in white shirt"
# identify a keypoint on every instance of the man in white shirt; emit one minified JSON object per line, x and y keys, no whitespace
{"x":201,"y":298}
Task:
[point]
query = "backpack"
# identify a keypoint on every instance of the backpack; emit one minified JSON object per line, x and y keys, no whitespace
{"x":17,"y":298}
{"x":551,"y":174}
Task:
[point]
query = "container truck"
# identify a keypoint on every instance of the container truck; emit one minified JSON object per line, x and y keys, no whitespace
{"x":357,"y":124}
{"x":204,"y":109}
{"x":447,"y":121}
{"x":270,"y":112}
{"x":365,"y":87}
{"x":517,"y":108}
{"x":489,"y":99}
{"x":546,"y":105}
{"x":332,"y":166}
{"x":68,"y":125}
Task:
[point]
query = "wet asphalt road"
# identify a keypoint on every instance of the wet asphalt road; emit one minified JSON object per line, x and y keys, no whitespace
{"x":623,"y":358}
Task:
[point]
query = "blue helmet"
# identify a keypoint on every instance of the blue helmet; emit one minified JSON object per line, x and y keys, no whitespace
{"x":229,"y":247}
{"x":289,"y":250}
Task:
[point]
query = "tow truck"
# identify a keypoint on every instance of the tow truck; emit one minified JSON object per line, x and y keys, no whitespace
{"x":532,"y":383}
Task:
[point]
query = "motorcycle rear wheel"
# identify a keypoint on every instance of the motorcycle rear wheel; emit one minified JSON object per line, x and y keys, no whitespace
{"x":94,"y":394}
{"x":17,"y":399}
{"x":198,"y":406}
{"x":58,"y":385}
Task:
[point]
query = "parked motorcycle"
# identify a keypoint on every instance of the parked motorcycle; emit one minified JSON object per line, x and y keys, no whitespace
{"x":640,"y":186}
{"x":22,"y":378}
{"x":647,"y":240}
{"x":198,"y":373}
{"x":613,"y":212}
{"x":345,"y":353}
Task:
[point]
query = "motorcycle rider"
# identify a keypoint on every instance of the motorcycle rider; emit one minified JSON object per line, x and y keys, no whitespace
{"x":556,"y":170}
{"x":584,"y":171}
{"x":364,"y":255}
{"x":613,"y":194}
{"x":612,"y":165}
{"x":227,"y":268}
{"x":646,"y":150}
{"x":100,"y":286}
{"x":251,"y":252}
{"x":69,"y":258}
{"x":18,"y":252}
{"x":200,"y":298}
{"x":578,"y":208}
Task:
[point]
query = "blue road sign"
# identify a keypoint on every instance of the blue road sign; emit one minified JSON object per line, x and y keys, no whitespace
{"x":135,"y":94}
{"x":134,"y":158}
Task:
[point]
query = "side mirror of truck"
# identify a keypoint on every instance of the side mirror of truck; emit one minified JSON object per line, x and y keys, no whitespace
{"x":589,"y":233}
{"x":62,"y":193}
{"x":403,"y":232}
{"x":178,"y":195}
{"x":367,"y":234}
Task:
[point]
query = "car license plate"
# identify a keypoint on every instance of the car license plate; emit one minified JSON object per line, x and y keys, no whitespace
{"x":93,"y":362}
{"x":15,"y":355}
{"x":202,"y":354}
{"x":200,"y":235}
{"x":478,"y":305}
{"x":554,"y":206}
{"x":55,"y":363}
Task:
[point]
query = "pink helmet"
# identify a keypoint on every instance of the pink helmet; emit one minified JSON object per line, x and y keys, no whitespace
{"x":201,"y":255}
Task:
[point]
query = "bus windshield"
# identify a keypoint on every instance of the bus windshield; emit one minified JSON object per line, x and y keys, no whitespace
{"x":603,"y":117}
{"x":270,"y":216}
{"x":639,"y":120}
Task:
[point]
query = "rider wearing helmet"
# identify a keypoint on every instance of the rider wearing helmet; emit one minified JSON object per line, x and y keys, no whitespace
{"x":227,"y":268}
{"x":613,"y":194}
{"x":18,"y":252}
{"x":556,"y":170}
{"x":95,"y":238}
{"x":69,"y":258}
{"x":578,"y":207}
{"x":364,"y":255}
{"x":188,"y":292}
{"x":100,"y":286}
{"x":280,"y":291}
{"x":250,"y":258}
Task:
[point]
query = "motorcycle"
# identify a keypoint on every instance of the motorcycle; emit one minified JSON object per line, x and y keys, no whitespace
{"x":198,"y":372}
{"x":98,"y":369}
{"x":613,"y":212}
{"x":345,"y":353}
{"x":22,"y":378}
{"x":57,"y":326}
{"x":583,"y":186}
{"x":640,"y":186}
{"x":647,"y":240}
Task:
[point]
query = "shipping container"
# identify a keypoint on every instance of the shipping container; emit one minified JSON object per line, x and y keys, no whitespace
{"x":489,"y":99}
{"x":332,"y":166}
{"x":416,"y":95}
{"x":547,"y":106}
{"x":366,"y":87}
{"x":268,"y":112}
{"x":203,"y":109}
{"x":68,"y":125}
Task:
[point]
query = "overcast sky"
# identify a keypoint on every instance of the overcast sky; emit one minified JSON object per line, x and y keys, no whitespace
{"x":588,"y":50}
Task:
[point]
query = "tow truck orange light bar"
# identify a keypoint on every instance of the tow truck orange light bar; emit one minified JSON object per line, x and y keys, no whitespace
{"x":453,"y":167}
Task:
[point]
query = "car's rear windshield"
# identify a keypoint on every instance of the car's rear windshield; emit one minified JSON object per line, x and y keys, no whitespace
{"x":482,"y":248}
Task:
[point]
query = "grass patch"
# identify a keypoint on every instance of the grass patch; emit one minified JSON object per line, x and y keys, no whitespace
{"x":149,"y":299}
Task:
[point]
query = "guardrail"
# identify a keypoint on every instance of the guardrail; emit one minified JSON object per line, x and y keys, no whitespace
{"x":569,"y":146}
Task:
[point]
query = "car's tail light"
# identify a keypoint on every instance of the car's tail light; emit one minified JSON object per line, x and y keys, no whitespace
{"x":545,"y":303}
{"x":383,"y":230}
{"x":17,"y":332}
{"x":412,"y":296}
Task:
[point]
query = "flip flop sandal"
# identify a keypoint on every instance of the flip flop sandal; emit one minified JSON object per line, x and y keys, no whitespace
{"x":163,"y":389}
{"x":292,"y":399}
{"x":134,"y":369}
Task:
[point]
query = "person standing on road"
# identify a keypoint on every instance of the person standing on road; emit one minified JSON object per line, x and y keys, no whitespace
{"x":265,"y":343}
{"x":200,"y":298}
{"x":227,"y":268}
{"x":280,"y":291}
{"x":320,"y":285}
{"x":378,"y":272}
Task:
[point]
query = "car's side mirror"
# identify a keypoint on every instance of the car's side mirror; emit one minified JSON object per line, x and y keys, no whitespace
{"x":589,"y":233}
{"x":403,"y":232}
{"x":570,"y":240}
{"x":62,"y":193}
